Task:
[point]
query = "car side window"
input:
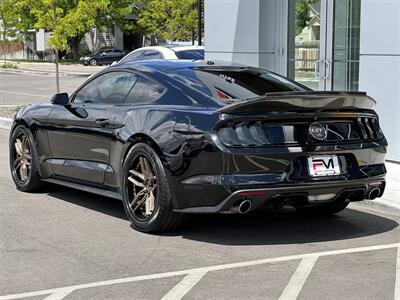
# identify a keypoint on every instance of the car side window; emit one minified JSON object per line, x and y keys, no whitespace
{"x":151,"y":54}
{"x":132,"y":56}
{"x":109,"y":88}
{"x":144,"y":91}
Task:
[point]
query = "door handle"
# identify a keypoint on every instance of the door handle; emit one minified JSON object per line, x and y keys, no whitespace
{"x":327,"y":64}
{"x":317,"y":73}
{"x":103,"y":122}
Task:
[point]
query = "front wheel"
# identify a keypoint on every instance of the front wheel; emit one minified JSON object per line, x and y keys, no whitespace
{"x":146,"y":194}
{"x":23,"y":160}
{"x":93,"y":62}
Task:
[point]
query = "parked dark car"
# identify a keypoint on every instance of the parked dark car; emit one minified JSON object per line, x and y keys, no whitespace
{"x":102,"y":57}
{"x":175,"y":137}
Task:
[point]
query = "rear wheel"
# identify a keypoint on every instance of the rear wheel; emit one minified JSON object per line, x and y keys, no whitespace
{"x":324,"y":209}
{"x":23,"y":160}
{"x":146,"y":195}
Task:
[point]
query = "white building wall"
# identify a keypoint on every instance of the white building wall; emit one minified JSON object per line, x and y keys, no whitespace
{"x":244,"y":31}
{"x":380,"y":64}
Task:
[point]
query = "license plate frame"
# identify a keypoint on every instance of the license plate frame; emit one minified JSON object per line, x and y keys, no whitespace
{"x":323,"y":166}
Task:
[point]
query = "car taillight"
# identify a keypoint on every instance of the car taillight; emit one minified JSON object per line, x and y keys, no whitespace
{"x":369,"y":128}
{"x":244,"y":134}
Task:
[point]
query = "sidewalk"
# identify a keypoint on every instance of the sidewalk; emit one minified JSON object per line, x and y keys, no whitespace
{"x":49,"y":69}
{"x":391,"y":197}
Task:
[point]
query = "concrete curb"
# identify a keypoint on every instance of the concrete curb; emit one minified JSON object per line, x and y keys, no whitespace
{"x":382,"y":204}
{"x":5,"y":123}
{"x":43,"y":73}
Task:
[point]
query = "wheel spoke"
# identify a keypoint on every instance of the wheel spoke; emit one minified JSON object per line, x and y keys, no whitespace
{"x":23,"y":172}
{"x":142,"y":166}
{"x":135,"y":182}
{"x":148,"y":168}
{"x":150,"y":204}
{"x":24,"y":143}
{"x":137,"y":196}
{"x":140,"y":203}
{"x":18,"y":162}
{"x":18,"y":147}
{"x":137,"y":174}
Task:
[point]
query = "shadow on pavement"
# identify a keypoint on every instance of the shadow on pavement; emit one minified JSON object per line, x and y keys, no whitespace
{"x":98,"y":203}
{"x":264,"y":227}
{"x":269,"y":227}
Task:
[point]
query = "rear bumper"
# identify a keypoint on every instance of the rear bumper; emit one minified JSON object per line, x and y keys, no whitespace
{"x":307,"y":194}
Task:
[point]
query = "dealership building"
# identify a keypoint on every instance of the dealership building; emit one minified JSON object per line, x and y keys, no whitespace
{"x":325,"y":44}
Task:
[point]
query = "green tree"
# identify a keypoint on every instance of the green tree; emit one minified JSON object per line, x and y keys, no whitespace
{"x":8,"y":23}
{"x":303,"y":14}
{"x":169,"y":19}
{"x":73,"y":18}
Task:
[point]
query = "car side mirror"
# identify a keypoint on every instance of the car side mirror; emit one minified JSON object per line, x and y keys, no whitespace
{"x":60,"y":99}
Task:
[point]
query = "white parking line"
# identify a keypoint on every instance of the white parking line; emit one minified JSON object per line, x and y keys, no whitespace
{"x":60,"y":294}
{"x":60,"y":290}
{"x":397,"y":282}
{"x":184,"y":286}
{"x":299,"y":277}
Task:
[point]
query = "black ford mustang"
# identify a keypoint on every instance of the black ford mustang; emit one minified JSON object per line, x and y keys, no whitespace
{"x":175,"y":137}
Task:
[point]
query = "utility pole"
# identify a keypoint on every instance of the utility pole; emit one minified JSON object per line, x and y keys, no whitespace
{"x":199,"y":14}
{"x":56,"y":50}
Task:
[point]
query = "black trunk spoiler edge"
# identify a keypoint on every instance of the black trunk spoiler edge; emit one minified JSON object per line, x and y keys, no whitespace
{"x":301,"y":101}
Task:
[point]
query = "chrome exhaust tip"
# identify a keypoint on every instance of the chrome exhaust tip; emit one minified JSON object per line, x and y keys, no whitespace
{"x":374,"y":193}
{"x":244,"y":206}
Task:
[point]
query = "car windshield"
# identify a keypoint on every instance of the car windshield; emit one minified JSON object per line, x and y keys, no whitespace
{"x":197,"y":54}
{"x":235,"y":83}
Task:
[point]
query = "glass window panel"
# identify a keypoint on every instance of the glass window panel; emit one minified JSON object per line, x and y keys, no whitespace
{"x":346,"y":45}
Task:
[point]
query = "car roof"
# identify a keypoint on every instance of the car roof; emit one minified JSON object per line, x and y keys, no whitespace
{"x":163,"y":65}
{"x":178,"y":48}
{"x":166,"y":52}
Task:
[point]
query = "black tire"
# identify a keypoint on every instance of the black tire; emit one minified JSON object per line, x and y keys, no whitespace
{"x":32,"y":182}
{"x":162,"y":218}
{"x":93,"y":62}
{"x":323,"y":209}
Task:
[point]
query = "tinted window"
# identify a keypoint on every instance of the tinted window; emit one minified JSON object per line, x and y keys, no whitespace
{"x":109,"y":88}
{"x":190,"y":54}
{"x":151,"y":54}
{"x":144,"y":91}
{"x":236,"y":82}
{"x":117,"y":51}
{"x":132,"y":56}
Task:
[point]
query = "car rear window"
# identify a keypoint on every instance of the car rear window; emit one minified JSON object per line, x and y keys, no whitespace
{"x":197,"y":54}
{"x":235,"y":82}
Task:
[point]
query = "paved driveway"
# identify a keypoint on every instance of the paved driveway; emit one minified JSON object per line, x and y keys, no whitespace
{"x":18,"y":89}
{"x":65,"y":244}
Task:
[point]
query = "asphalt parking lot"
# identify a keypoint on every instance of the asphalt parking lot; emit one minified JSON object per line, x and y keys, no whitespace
{"x":66,"y":244}
{"x":19,"y":89}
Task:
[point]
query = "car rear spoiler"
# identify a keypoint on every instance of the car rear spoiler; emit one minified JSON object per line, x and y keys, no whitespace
{"x":300,"y":101}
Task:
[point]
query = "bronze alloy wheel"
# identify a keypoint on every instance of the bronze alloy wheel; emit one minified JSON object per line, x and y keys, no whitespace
{"x":142,"y":188}
{"x":22,"y":158}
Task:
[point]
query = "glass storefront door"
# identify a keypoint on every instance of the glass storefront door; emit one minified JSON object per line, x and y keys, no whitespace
{"x":323,"y":43}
